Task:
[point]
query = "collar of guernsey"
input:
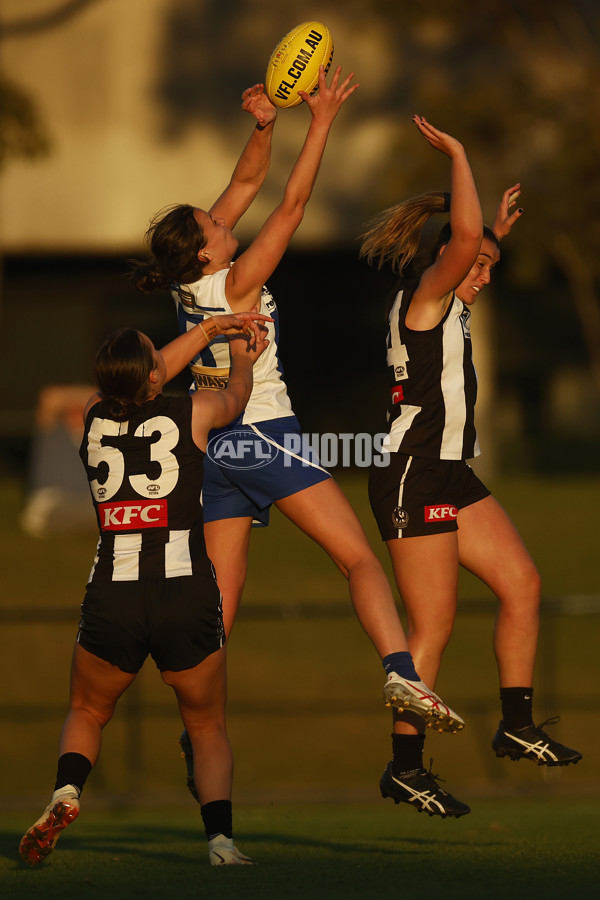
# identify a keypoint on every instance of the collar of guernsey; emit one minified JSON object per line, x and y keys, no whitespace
{"x":206,"y":297}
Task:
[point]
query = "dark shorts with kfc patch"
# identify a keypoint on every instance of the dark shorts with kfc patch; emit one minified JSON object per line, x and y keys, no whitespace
{"x":414,"y":496}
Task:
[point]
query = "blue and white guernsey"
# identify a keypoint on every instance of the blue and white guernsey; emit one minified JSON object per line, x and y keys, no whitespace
{"x":433,"y":384}
{"x":206,"y":297}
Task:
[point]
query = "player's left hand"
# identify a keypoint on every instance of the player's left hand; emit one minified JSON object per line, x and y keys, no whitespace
{"x":251,"y":346}
{"x":505,"y":220}
{"x":327,"y":101}
{"x":249,"y":323}
{"x":256,"y":102}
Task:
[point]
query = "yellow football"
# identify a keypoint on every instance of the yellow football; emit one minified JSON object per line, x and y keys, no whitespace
{"x":294,"y":63}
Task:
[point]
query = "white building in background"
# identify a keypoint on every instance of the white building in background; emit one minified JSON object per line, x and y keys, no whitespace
{"x":95,"y":76}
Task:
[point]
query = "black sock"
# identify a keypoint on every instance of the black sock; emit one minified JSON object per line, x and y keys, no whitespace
{"x":407,"y":753}
{"x":73,"y":768}
{"x":517,"y":705}
{"x":217,"y":817}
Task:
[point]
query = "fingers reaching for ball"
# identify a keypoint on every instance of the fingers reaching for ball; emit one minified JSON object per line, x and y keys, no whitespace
{"x":327,"y":101}
{"x":256,"y":102}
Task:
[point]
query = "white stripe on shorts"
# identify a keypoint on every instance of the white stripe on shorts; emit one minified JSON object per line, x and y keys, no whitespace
{"x":401,"y":488}
{"x":273,"y":443}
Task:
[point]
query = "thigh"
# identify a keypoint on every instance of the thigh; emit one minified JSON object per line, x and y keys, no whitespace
{"x":426,"y":574}
{"x":202,"y":690}
{"x":491,"y":548}
{"x":227,"y":543}
{"x":324,"y":513}
{"x":95,"y":683}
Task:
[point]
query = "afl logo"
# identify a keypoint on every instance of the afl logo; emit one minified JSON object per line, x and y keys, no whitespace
{"x":400,"y":517}
{"x":241,"y":450}
{"x":153,"y":488}
{"x":101,"y":491}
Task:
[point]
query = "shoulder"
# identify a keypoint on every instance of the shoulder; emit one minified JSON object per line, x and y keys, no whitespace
{"x":94,"y":401}
{"x":400,"y":295}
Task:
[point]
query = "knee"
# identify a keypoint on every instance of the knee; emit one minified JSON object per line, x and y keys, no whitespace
{"x":210,"y":727}
{"x":523,"y":592}
{"x":530,"y":587}
{"x":100,"y":715}
{"x":431,"y":635}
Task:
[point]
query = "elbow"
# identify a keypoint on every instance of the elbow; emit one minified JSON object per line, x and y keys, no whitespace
{"x":293,"y":209}
{"x":474,"y":234}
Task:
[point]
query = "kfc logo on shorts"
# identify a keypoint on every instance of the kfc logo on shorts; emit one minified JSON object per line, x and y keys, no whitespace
{"x":442,"y":513}
{"x":400,"y":517}
{"x":133,"y":516}
{"x":397,"y":393}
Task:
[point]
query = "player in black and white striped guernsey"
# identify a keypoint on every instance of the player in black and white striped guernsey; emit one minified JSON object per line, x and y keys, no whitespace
{"x":431,"y":509}
{"x":432,"y":412}
{"x":148,"y":517}
{"x":152,"y":589}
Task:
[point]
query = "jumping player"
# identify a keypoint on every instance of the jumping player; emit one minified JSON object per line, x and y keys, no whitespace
{"x":192,"y":252}
{"x":152,"y":589}
{"x":431,"y":509}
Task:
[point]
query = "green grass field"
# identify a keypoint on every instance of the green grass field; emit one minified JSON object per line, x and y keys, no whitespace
{"x":309,"y":733}
{"x":506,"y":848}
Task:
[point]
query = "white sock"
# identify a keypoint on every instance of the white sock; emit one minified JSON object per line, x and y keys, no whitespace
{"x":67,"y":790}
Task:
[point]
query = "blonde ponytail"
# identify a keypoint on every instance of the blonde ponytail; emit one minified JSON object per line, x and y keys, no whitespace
{"x":393,"y":236}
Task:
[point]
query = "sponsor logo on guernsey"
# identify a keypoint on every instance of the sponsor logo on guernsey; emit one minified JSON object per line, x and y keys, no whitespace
{"x":210,"y":378}
{"x":441,"y":513}
{"x":397,"y":393}
{"x":132,"y":515}
{"x":267,"y":299}
{"x":400,"y":517}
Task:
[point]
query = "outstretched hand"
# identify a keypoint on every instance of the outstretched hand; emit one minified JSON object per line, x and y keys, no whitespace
{"x":256,"y":102}
{"x":505,"y":220}
{"x":327,"y":101}
{"x":438,"y":139}
{"x":242,"y":323}
{"x":251,"y":346}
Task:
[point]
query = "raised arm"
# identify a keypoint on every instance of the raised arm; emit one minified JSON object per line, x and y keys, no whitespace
{"x":253,"y":164}
{"x":179,"y":352}
{"x":256,"y":264}
{"x":466,"y":223}
{"x":213,"y":409}
{"x":505,"y":219}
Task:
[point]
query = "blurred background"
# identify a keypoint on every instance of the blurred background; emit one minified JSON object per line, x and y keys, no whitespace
{"x":110,"y":110}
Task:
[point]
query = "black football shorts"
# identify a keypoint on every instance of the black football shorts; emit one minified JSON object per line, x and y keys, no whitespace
{"x":415,"y":496}
{"x":177,"y":621}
